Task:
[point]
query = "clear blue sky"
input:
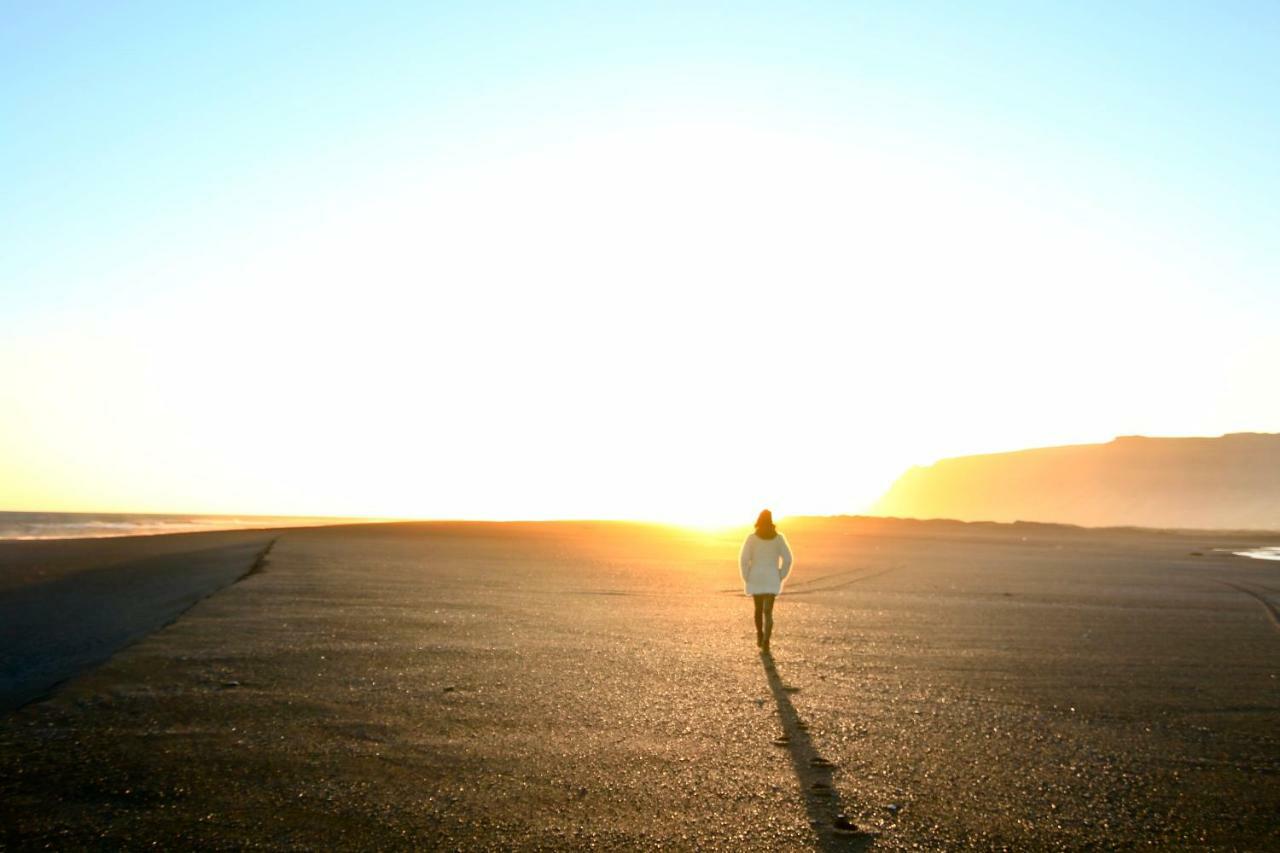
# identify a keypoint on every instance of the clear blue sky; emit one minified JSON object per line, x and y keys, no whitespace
{"x":163,"y":161}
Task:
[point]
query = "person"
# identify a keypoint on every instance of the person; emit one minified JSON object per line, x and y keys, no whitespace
{"x":765,"y":562}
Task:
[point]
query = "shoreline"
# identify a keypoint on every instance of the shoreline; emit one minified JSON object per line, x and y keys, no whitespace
{"x":863,"y":523}
{"x":58,"y":526}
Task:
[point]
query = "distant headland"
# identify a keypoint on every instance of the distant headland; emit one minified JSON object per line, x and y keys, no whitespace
{"x":1228,"y":482}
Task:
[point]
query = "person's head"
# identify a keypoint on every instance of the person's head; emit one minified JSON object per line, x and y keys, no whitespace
{"x":764,"y":525}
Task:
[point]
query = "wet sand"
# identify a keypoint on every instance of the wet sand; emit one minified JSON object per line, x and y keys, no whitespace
{"x":544,"y":686}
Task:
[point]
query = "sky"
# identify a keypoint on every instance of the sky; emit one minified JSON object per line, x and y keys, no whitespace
{"x":670,"y":261}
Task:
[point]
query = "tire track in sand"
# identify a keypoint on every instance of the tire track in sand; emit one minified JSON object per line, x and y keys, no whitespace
{"x":851,"y":581}
{"x":791,"y":588}
{"x":1272,"y":610}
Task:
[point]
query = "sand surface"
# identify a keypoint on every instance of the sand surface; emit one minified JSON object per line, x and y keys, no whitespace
{"x":546,"y":686}
{"x":68,"y":605}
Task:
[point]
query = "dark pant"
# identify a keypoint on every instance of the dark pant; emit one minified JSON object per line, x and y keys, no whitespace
{"x":764,"y":616}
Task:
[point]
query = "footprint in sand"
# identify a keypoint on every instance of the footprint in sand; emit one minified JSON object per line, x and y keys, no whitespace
{"x":844,"y":826}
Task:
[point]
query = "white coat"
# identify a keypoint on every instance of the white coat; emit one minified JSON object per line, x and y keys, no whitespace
{"x":764,"y":564}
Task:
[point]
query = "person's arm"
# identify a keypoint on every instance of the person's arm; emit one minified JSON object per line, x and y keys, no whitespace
{"x":786,"y":558}
{"x":745,"y":557}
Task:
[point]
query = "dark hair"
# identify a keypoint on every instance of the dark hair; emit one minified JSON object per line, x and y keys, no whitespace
{"x":764,"y":525}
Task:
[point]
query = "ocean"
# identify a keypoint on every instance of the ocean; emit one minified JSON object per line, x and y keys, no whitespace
{"x":1268,"y":553}
{"x":81,"y":525}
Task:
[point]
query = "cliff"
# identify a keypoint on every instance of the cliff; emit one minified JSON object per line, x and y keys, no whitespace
{"x":1231,"y":482}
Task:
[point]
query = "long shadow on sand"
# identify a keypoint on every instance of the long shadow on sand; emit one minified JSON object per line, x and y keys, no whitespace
{"x":813,"y":772}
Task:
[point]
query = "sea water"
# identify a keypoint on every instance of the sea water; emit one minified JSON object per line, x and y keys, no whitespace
{"x":1271,"y":552}
{"x":79,"y":525}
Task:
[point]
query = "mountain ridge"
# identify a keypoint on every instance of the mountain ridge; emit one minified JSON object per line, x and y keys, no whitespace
{"x":1208,"y":483}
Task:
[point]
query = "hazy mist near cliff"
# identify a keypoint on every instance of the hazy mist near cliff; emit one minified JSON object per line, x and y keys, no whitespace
{"x":1231,"y":482}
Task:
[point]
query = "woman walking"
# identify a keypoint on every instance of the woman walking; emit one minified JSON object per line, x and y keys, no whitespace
{"x":765,"y":562}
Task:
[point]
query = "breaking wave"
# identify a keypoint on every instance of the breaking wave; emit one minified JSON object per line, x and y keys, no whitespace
{"x":79,"y":525}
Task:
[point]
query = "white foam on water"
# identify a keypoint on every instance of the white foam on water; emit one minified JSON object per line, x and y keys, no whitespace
{"x":78,"y":525}
{"x":1271,"y":552}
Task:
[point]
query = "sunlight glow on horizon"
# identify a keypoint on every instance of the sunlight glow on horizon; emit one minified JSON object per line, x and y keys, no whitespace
{"x":664,"y":299}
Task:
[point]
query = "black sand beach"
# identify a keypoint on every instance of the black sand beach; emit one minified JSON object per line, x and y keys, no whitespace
{"x":68,"y":605}
{"x":569,"y":685}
